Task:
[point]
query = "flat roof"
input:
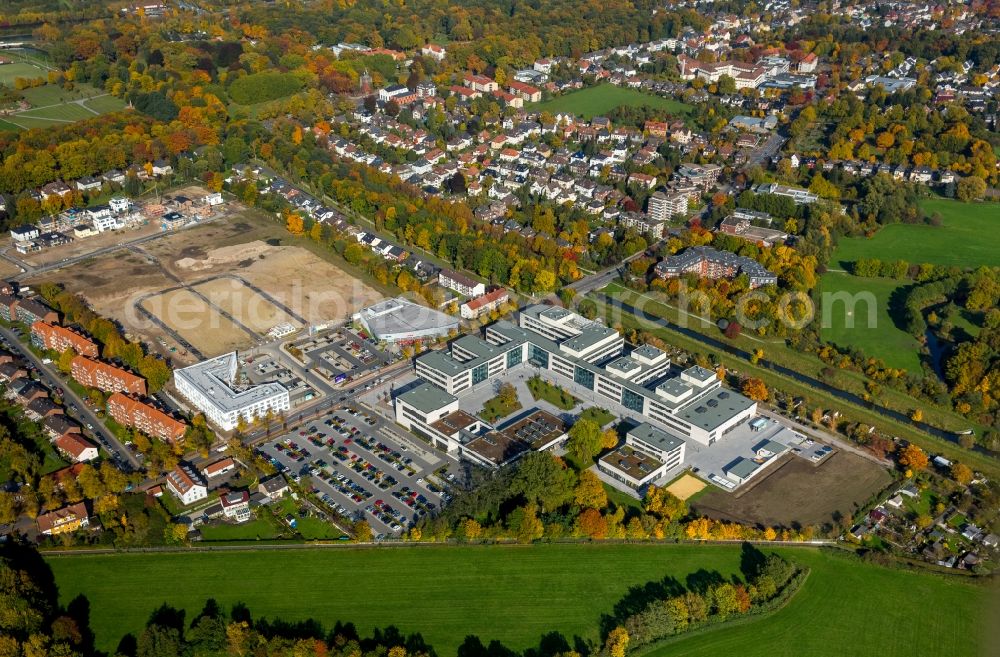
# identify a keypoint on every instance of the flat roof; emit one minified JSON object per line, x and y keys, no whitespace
{"x":632,"y":462}
{"x":712,"y":410}
{"x":743,"y":468}
{"x":538,"y":429}
{"x":400,"y":316}
{"x":650,"y":435}
{"x":426,"y":397}
{"x":497,"y":448}
{"x":214,"y":379}
{"x":455,"y":422}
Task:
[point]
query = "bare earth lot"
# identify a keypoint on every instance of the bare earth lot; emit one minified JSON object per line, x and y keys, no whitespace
{"x":249,"y":308}
{"x":197,"y":322}
{"x":798,"y":494}
{"x":244,"y":244}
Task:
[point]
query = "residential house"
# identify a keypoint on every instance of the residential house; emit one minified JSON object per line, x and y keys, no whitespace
{"x":30,"y":311}
{"x":274,"y":487}
{"x":461,"y":283}
{"x":59,"y":338}
{"x":76,"y":447}
{"x":485,"y":304}
{"x":236,"y":505}
{"x":61,"y":521}
{"x":185,"y":484}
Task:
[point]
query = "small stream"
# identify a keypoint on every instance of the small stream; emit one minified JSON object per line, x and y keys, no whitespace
{"x":937,"y":350}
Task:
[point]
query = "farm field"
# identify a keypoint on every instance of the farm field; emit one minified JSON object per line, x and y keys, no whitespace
{"x":967,"y":237}
{"x":594,"y":101}
{"x":798,"y":493}
{"x":251,"y":309}
{"x":197,"y":322}
{"x":874,"y":330}
{"x":517,"y":594}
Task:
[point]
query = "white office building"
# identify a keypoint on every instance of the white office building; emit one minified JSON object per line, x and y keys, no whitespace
{"x":212,"y":387}
{"x":692,"y":405}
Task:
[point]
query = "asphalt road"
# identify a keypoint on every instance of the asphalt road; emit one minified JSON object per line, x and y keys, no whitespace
{"x":48,"y":376}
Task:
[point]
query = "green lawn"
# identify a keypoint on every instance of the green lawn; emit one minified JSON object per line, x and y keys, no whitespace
{"x":495,"y":409}
{"x":10,"y":72}
{"x":105,"y":104}
{"x":516,"y":594}
{"x":261,"y":528}
{"x":969,"y":236}
{"x":873,"y":331}
{"x":67,"y":112}
{"x":855,"y":609}
{"x":594,"y":101}
{"x":601,"y":416}
{"x":553,"y":394}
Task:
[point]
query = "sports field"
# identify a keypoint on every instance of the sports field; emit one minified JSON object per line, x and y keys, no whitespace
{"x":516,"y":594}
{"x":594,"y":101}
{"x":873,"y":331}
{"x":53,"y":105}
{"x":10,"y":72}
{"x":969,"y":236}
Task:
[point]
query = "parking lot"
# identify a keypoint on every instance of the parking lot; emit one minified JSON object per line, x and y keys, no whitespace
{"x":341,"y":355}
{"x":363,"y":468}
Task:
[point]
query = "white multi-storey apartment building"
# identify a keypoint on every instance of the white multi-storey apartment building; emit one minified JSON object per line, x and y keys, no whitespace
{"x":211,"y":387}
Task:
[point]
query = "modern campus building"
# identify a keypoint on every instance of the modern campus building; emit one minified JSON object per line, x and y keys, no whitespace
{"x":434,"y":414}
{"x":400,"y":320}
{"x":692,"y":405}
{"x":212,"y":387}
{"x":647,"y":455}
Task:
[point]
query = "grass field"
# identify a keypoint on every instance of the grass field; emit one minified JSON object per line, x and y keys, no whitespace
{"x":967,"y":237}
{"x":809,"y":364}
{"x":516,"y":594}
{"x":52,"y":105}
{"x":594,"y":101}
{"x":10,"y":72}
{"x":874,"y":331}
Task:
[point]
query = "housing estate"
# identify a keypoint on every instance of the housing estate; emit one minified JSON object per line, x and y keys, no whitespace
{"x":148,"y":419}
{"x":706,"y":262}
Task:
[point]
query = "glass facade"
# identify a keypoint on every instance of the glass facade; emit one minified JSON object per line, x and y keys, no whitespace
{"x":513,"y":357}
{"x":632,"y":400}
{"x":584,"y":377}
{"x":480,"y":374}
{"x":539,"y":357}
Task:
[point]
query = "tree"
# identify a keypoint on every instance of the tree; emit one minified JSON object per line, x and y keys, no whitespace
{"x":961,"y":473}
{"x":590,"y":491}
{"x":294,"y":224}
{"x":970,"y":188}
{"x":362,"y":531}
{"x":584,"y":440}
{"x":617,"y":642}
{"x":913,"y":458}
{"x":507,"y":394}
{"x":526,"y":525}
{"x":609,"y":438}
{"x":65,"y":362}
{"x":755,"y":389}
{"x":664,"y":504}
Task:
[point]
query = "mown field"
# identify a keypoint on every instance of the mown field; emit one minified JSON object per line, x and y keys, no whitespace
{"x":967,"y":237}
{"x":876,"y":334}
{"x":53,"y":105}
{"x":594,"y":101}
{"x":14,"y":70}
{"x":517,"y":594}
